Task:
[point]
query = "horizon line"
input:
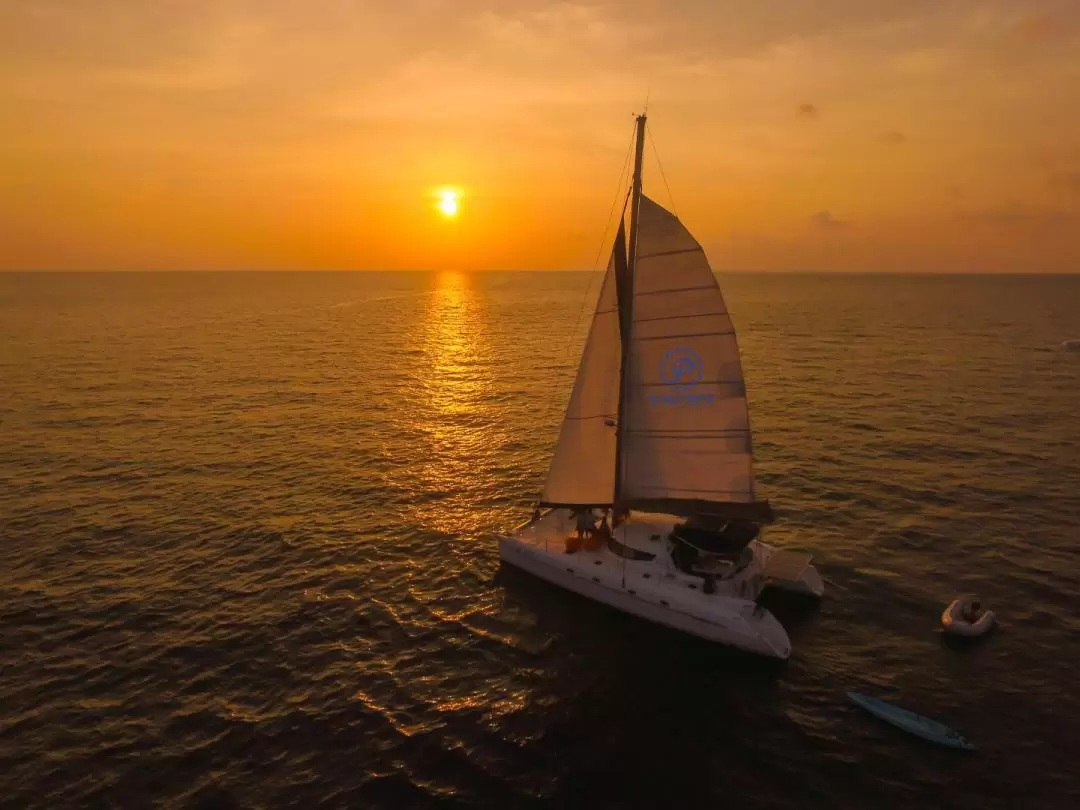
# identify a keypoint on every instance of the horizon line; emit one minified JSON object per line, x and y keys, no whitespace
{"x":101,"y":271}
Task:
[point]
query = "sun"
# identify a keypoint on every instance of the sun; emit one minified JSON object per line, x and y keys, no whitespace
{"x":447,"y":200}
{"x":448,"y":203}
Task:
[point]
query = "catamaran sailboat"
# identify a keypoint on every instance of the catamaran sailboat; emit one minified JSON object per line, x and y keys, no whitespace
{"x":657,"y":431}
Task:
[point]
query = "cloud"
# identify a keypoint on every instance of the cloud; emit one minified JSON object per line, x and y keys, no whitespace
{"x":1067,"y":181}
{"x":1018,"y":215}
{"x":807,"y":111}
{"x":825,"y":221}
{"x":895,"y":138}
{"x":1037,"y":29}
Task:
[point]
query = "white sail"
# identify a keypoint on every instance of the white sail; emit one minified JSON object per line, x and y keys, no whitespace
{"x":687,"y":443}
{"x":583,"y":468}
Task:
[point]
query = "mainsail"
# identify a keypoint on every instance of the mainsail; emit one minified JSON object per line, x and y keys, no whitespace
{"x":685,"y":445}
{"x":687,"y":442}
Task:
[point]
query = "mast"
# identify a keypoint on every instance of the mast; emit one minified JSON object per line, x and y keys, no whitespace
{"x":626,"y":313}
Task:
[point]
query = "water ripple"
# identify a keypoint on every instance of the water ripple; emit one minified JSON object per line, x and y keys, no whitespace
{"x":248,"y":554}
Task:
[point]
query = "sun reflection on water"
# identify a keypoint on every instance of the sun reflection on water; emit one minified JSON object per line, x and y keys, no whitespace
{"x":457,"y":422}
{"x":454,"y":344}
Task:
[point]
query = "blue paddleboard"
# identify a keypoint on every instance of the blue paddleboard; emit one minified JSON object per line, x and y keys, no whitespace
{"x":912,"y":723}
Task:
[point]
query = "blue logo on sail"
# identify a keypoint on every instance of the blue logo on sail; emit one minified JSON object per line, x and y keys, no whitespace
{"x":680,"y":371}
{"x":681,"y":368}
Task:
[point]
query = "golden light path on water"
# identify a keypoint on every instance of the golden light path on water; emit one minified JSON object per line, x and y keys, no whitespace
{"x":459,"y":427}
{"x":446,"y":445}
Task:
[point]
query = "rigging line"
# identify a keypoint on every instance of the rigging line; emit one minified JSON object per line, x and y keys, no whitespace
{"x":600,"y":251}
{"x":624,"y":558}
{"x":652,"y":142}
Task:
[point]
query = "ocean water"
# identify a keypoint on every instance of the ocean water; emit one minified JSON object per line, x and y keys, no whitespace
{"x":246,"y":524}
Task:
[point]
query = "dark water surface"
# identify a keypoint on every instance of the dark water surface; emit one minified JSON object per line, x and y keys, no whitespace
{"x":245,"y":524}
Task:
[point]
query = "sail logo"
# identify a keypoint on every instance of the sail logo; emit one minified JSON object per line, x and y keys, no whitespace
{"x":680,"y":371}
{"x":681,"y":368}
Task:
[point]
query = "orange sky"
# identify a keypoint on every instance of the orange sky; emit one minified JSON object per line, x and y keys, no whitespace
{"x":893,"y":135}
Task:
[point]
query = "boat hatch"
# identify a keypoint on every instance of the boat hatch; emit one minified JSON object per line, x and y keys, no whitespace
{"x":786,"y":566}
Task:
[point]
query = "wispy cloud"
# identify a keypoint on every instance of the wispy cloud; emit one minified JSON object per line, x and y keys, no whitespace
{"x":1066,"y":181}
{"x":825,"y":221}
{"x":809,"y":112}
{"x":1019,"y":215}
{"x":894,"y":138}
{"x":1043,"y":26}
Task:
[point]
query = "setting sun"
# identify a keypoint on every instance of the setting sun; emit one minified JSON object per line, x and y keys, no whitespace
{"x":448,"y":203}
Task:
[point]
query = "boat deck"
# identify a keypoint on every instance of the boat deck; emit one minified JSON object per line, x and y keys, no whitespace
{"x":644,"y":533}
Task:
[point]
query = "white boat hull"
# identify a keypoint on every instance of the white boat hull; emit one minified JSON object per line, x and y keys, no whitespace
{"x":654,"y":590}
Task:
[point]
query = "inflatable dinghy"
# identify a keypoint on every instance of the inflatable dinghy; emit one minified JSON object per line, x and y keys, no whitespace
{"x":956,"y":619}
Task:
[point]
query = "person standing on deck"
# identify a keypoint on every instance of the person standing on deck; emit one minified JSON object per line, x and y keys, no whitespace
{"x":586,"y":524}
{"x":604,"y":531}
